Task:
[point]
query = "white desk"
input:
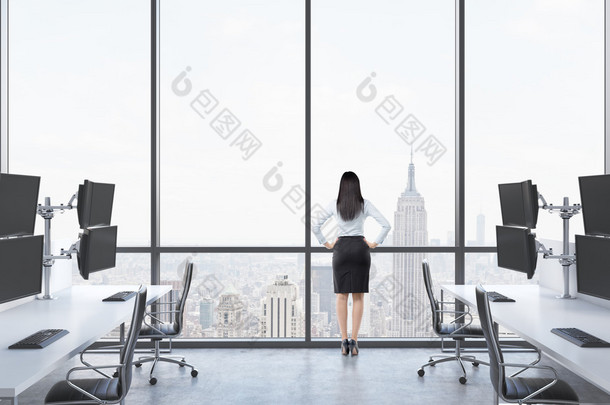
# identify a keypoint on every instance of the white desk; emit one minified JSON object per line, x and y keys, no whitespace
{"x":533,"y":315}
{"x":78,"y":309}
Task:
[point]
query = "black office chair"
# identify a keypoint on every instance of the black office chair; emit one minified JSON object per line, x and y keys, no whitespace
{"x":109,"y":389}
{"x":458,"y":330}
{"x":521,"y":390}
{"x":157,"y":330}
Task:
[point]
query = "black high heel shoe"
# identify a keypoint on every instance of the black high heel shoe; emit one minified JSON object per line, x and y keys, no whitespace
{"x":345,"y":347}
{"x":353,"y":347}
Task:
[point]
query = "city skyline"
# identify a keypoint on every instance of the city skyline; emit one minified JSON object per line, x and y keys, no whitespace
{"x":228,"y":300}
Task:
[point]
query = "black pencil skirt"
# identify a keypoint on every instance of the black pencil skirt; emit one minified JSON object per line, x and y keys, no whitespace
{"x":351,"y":265}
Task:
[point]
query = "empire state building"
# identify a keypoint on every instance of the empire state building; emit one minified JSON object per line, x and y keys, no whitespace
{"x":410,"y":317}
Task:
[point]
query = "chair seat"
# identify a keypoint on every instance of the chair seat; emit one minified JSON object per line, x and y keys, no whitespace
{"x":469,"y":331}
{"x":103,"y":388}
{"x":520,"y":387}
{"x":167,"y":329}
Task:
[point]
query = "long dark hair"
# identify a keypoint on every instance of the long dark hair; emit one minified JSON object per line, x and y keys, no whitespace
{"x":349,"y":201}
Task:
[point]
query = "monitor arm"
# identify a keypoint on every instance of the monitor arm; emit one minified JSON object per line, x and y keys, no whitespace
{"x":64,"y":254}
{"x":548,"y":254}
{"x":566,"y":211}
{"x":47,"y":212}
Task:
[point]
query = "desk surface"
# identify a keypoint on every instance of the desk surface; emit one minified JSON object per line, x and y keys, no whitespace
{"x":533,"y":315}
{"x":78,"y":309}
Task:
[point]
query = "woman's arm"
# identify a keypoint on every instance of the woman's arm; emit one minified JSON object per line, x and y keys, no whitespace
{"x":318,"y":221}
{"x":372,"y":211}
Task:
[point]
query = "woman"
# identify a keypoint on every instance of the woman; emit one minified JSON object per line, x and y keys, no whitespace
{"x":351,"y":256}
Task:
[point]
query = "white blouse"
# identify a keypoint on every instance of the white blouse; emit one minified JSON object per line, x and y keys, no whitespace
{"x":355,"y":227}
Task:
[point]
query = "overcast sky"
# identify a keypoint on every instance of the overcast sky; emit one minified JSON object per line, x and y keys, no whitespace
{"x":79,"y":94}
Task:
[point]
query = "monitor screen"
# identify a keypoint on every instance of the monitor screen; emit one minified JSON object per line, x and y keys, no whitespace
{"x":593,"y":265}
{"x":94,"y":204}
{"x":97,"y":250}
{"x":18,"y":202}
{"x":519,"y":204}
{"x":20,"y":267}
{"x":516,"y":249}
{"x":595,"y":200}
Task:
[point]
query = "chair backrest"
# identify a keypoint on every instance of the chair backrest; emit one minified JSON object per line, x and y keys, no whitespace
{"x":126,"y":358}
{"x":187,"y":277}
{"x":496,"y":372}
{"x":436,"y":320}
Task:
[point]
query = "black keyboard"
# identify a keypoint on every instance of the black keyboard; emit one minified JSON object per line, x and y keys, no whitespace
{"x":579,"y":337}
{"x":121,"y":296}
{"x":497,"y":297}
{"x":40,"y":339}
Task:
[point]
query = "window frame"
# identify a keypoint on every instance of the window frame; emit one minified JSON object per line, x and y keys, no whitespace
{"x":459,"y":250}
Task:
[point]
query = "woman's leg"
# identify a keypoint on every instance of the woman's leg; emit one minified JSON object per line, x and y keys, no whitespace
{"x":342,"y":313}
{"x":357,"y":311}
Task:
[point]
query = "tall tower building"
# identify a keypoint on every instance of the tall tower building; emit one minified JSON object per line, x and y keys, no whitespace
{"x":410,"y":317}
{"x":322,"y":283}
{"x":229,"y":314}
{"x":282,"y":314}
{"x":206,"y":312}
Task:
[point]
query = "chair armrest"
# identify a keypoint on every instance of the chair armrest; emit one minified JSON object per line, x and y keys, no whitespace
{"x":90,"y":368}
{"x":173,"y":311}
{"x":528,"y":366}
{"x":466,"y":309}
{"x":159,"y":331}
{"x":166,"y":303}
{"x":454,"y":303}
{"x":82,"y":391}
{"x":79,"y":389}
{"x":154,"y":318}
{"x":463,"y":314}
{"x":82,"y":360}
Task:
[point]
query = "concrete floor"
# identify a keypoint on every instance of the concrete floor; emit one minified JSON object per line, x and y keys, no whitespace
{"x":308,"y":376}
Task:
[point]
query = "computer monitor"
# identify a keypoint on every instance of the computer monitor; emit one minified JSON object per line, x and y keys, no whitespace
{"x":593,"y":265}
{"x":595,"y":200}
{"x":20,"y":267}
{"x":97,"y":250}
{"x":94,"y":204}
{"x":18,"y":201}
{"x":517,"y":249}
{"x":519,"y":204}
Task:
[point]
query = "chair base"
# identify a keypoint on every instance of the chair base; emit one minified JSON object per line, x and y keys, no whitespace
{"x":457,"y":357}
{"x":179,"y":360}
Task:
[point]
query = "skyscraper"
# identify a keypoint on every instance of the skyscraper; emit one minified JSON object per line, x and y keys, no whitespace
{"x":206,"y":312}
{"x":322,"y":283}
{"x":282,"y":314}
{"x":229,"y":314}
{"x":409,"y":317}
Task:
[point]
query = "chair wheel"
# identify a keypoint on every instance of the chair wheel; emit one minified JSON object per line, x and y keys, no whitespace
{"x":194,"y":372}
{"x":476,"y":364}
{"x":116,"y":374}
{"x":138,"y":365}
{"x":463,"y":380}
{"x":181,"y":364}
{"x":152,"y":381}
{"x":421,"y":372}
